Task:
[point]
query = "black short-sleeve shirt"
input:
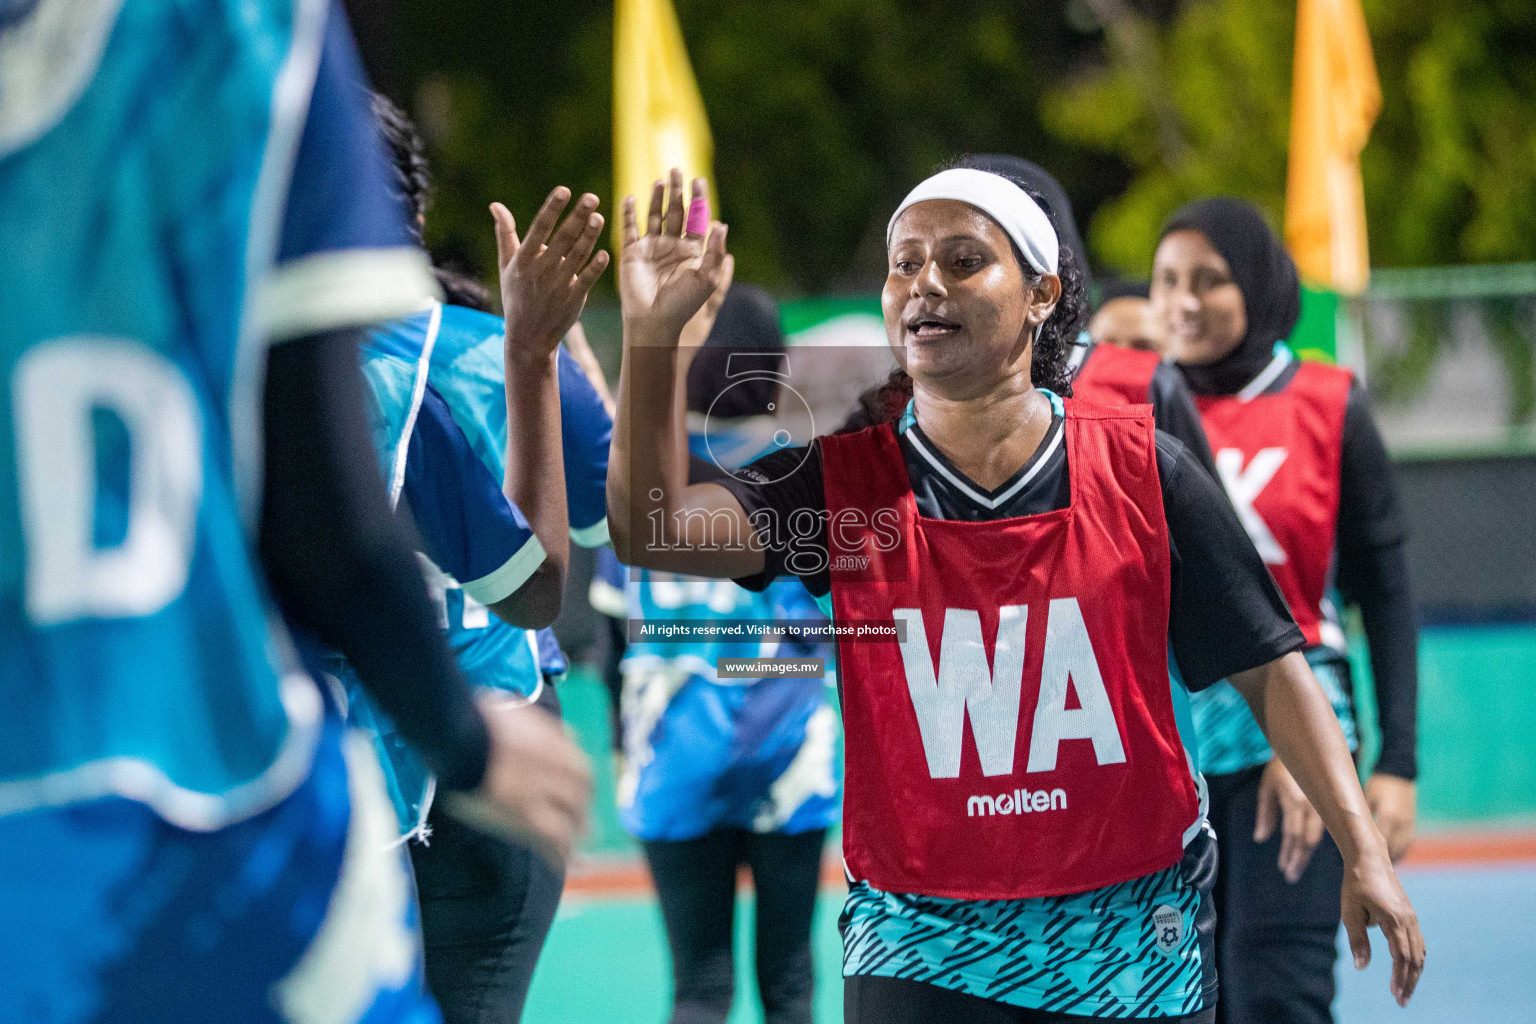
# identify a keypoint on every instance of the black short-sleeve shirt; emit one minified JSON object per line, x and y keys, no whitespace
{"x":1226,"y":614}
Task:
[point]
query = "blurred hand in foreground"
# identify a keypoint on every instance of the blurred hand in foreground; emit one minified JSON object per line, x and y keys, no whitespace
{"x":537,"y":789}
{"x":1282,"y":803}
{"x":1394,"y":805}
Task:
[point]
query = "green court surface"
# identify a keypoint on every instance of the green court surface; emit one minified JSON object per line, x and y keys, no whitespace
{"x":606,"y":963}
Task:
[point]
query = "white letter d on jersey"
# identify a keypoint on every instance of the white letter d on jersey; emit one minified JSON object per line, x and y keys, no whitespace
{"x":55,"y":389}
{"x":1243,"y":487}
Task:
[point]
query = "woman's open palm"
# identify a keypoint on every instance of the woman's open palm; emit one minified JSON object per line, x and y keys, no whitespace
{"x":666,"y":276}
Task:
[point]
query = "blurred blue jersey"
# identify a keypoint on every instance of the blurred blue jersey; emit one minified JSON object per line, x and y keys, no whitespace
{"x":438,"y":411}
{"x":174,"y":799}
{"x":459,"y":352}
{"x":468,"y":368}
{"x":702,"y":753}
{"x":467,"y":524}
{"x":142,"y":258}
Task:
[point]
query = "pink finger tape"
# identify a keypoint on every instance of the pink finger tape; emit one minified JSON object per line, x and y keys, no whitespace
{"x":698,"y":216}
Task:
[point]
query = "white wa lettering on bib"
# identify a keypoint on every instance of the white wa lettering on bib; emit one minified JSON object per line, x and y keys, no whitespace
{"x":1244,"y":485}
{"x":964,"y":685}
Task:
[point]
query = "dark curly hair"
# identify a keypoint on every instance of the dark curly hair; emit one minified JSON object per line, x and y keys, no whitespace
{"x":413,"y":184}
{"x":1050,"y":360}
{"x":408,"y":154}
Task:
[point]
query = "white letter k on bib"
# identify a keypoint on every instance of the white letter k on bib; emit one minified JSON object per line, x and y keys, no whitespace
{"x":1244,"y":486}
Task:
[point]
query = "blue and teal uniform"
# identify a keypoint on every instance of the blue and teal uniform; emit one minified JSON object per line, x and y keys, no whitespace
{"x":438,"y":412}
{"x":703,"y":753}
{"x":1230,"y":737}
{"x":181,"y":184}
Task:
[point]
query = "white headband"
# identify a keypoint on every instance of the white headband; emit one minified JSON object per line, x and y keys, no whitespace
{"x":998,"y":198}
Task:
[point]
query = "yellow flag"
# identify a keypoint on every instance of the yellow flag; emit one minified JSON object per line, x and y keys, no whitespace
{"x":1334,"y":102}
{"x":658,"y":115}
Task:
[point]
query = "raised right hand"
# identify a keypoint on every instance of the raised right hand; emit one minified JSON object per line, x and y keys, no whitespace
{"x":697,"y":330}
{"x":537,"y":788}
{"x":666,"y":276}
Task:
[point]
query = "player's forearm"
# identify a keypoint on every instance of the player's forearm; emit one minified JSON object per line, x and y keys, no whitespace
{"x":643,"y":467}
{"x":1294,"y":713}
{"x":679,"y":467}
{"x":535,"y":471}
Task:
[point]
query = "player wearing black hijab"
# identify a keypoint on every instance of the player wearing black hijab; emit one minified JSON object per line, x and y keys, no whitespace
{"x":1300,"y":457}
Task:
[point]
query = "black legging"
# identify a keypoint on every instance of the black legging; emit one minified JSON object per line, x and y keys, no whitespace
{"x":872,"y":1000}
{"x":1275,"y":942}
{"x":696,"y":882}
{"x":486,"y":908}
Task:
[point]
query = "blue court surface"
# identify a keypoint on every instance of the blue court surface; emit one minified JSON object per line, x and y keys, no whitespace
{"x":606,"y":960}
{"x":1480,"y":936}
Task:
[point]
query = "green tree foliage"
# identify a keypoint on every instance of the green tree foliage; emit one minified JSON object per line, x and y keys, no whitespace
{"x":1201,"y":105}
{"x":823,"y":113}
{"x":513,"y":99}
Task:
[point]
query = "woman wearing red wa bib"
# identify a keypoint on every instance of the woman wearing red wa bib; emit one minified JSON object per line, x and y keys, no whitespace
{"x":1024,"y":829}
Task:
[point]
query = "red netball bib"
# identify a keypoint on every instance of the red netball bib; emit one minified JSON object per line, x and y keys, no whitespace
{"x":1278,"y":456}
{"x":1116,"y":376}
{"x":1020,"y":740}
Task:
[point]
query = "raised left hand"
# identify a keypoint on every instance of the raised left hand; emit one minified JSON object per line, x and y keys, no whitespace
{"x":666,"y":275}
{"x":697,"y":329}
{"x":546,"y":276}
